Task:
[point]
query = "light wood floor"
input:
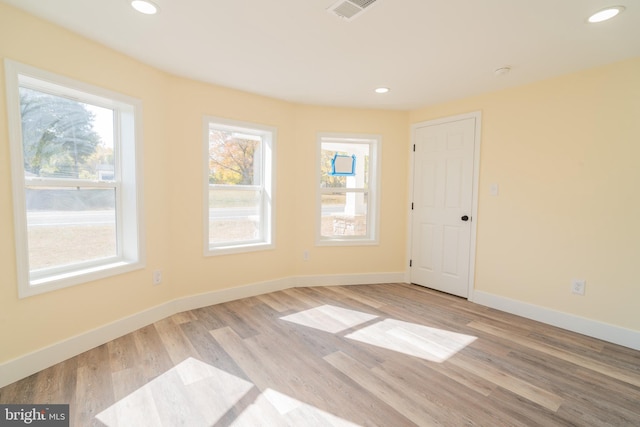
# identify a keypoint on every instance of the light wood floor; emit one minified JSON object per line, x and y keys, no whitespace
{"x":371,"y":355}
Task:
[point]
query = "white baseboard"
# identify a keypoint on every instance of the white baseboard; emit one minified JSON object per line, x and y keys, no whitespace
{"x":593,"y":328}
{"x":349,"y":279}
{"x":28,"y":364}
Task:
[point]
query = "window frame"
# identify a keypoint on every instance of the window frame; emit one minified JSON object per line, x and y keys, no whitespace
{"x":268,"y":136}
{"x":127,"y":182}
{"x":373,"y":202}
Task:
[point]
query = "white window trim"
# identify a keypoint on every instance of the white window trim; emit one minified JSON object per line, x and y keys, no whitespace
{"x":131,"y":254}
{"x":373,"y":210}
{"x":269,"y":135}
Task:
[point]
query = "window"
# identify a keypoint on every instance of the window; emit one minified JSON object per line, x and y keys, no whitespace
{"x":238,"y":186}
{"x":348,"y":189}
{"x":75,"y":190}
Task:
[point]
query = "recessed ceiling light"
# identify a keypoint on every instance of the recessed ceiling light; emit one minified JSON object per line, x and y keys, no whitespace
{"x":605,"y":14}
{"x":144,"y":6}
{"x":382,"y":90}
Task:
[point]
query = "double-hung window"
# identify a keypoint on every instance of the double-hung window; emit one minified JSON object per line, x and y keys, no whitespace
{"x":348,"y":185}
{"x":75,"y":188}
{"x":238,"y":186}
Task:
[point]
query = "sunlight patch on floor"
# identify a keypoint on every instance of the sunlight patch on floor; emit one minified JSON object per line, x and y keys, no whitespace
{"x":329,"y":318}
{"x":274,"y":409}
{"x":192,"y":393}
{"x":433,"y":344}
{"x":196,"y":394}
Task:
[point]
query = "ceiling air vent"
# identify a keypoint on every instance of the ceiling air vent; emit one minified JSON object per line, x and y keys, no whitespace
{"x":350,"y":9}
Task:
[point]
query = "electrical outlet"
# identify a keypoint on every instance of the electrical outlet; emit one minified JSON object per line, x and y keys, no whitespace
{"x":157,"y":277}
{"x":578,"y":286}
{"x":305,"y":255}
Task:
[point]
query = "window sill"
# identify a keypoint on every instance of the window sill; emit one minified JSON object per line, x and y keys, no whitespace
{"x":238,"y":249}
{"x":347,"y":242}
{"x":63,"y":280}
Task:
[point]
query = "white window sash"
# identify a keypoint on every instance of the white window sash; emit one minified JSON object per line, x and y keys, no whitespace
{"x":68,"y":183}
{"x":371,"y":191}
{"x":128,"y":200}
{"x":266,"y":135}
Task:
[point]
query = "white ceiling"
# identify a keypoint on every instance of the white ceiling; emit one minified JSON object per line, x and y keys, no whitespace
{"x":426,"y":51}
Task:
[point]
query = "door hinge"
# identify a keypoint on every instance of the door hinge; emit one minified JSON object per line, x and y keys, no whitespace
{"x":411,"y":205}
{"x":414,"y":148}
{"x":410,"y":263}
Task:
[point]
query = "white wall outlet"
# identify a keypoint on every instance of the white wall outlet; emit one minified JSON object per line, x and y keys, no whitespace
{"x":305,"y":255}
{"x":494,"y":189}
{"x":157,"y":277}
{"x":578,"y":286}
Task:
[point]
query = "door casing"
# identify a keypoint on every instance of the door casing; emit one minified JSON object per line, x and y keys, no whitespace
{"x":477,"y":115}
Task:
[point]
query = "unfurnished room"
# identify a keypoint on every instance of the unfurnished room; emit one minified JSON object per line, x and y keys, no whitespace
{"x":319,"y":213}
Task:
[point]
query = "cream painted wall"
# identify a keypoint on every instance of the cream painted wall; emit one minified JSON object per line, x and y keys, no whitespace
{"x":35,"y":322}
{"x":565,"y":154}
{"x":192,"y":271}
{"x":393,"y":127}
{"x":297,"y":127}
{"x":173,"y":109}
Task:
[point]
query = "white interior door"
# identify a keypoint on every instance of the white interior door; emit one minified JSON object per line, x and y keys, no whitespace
{"x":443,"y":182}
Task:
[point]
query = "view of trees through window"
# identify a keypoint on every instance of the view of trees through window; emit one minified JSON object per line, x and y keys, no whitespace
{"x":73,"y":141}
{"x":232,"y":158}
{"x":237,"y":198}
{"x":59,"y":138}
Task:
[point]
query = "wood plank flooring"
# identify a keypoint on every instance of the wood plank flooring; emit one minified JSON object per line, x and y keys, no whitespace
{"x":371,"y":355}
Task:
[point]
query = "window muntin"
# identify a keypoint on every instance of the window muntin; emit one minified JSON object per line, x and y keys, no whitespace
{"x":74,"y":166}
{"x":239,"y":193}
{"x":348,"y":202}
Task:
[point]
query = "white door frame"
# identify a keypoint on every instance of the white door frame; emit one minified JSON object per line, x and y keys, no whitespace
{"x":477,"y":115}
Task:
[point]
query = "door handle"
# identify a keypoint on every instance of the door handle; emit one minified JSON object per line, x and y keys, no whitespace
{"x":464,"y":218}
